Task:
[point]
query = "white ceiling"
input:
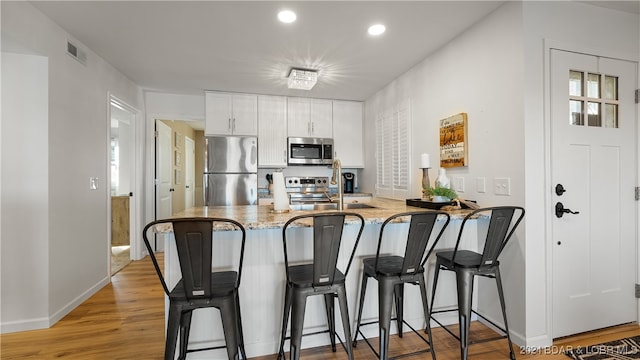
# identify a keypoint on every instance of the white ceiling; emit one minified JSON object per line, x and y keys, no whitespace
{"x":191,"y":46}
{"x":240,"y":46}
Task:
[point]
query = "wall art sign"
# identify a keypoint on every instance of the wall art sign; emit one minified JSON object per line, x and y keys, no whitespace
{"x":453,"y":141}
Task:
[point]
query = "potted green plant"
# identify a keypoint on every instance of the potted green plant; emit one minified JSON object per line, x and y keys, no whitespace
{"x":440,"y":194}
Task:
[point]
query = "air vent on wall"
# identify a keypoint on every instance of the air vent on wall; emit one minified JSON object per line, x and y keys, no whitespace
{"x":76,"y":53}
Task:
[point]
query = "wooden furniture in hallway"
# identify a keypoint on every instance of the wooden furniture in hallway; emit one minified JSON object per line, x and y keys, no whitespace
{"x":119,"y":220}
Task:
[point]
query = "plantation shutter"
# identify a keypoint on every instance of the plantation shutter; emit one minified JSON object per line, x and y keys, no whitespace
{"x":393,"y":145}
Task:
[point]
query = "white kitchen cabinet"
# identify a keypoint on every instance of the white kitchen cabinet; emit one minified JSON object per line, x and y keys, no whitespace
{"x":310,"y":117}
{"x":231,"y":114}
{"x":347,"y":133}
{"x":272,"y":131}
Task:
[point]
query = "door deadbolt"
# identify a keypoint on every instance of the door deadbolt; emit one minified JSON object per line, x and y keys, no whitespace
{"x":560,"y":190}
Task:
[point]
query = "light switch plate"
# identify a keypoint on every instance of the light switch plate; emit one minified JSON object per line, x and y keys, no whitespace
{"x":480,"y":185}
{"x":502,"y":186}
{"x":93,"y":183}
{"x":458,"y":183}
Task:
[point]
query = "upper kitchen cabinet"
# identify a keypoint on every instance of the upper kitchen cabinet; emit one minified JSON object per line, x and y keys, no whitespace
{"x":272,"y":131}
{"x":310,"y":117}
{"x":347,"y":133}
{"x":231,"y":114}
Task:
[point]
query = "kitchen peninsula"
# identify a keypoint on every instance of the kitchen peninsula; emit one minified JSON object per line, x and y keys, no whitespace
{"x":262,"y":283}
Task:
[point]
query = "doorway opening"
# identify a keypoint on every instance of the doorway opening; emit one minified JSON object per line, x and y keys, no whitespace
{"x":122,"y":178}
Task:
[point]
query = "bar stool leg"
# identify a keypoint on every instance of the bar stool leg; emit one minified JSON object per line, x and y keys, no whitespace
{"x":240,"y":332}
{"x":427,"y":315}
{"x":385,"y":299}
{"x":344,"y":314}
{"x":464,"y":279}
{"x":230,"y":326}
{"x":173,"y":328}
{"x":185,"y":327}
{"x":512,"y":354}
{"x":299,"y":301}
{"x":329,"y":304}
{"x":363,"y":290}
{"x":285,"y":319}
{"x":398,"y":297}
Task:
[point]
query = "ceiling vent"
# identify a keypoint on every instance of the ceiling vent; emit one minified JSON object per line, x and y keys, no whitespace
{"x":76,"y":53}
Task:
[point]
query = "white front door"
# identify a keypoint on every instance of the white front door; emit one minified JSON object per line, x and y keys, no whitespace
{"x":189,"y":172}
{"x":593,"y":144}
{"x":163,"y":170}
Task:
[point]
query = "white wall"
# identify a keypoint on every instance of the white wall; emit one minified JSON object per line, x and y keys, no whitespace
{"x":77,"y":150}
{"x":574,"y":26}
{"x":480,"y":73}
{"x":24,"y":233}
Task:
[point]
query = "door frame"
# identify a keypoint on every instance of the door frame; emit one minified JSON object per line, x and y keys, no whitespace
{"x":135,"y":203}
{"x":548,"y":198}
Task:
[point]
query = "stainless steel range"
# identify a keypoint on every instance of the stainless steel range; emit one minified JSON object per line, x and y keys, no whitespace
{"x":307,"y":190}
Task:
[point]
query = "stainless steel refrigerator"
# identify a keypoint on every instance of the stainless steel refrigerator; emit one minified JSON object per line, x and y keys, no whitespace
{"x":230,"y":170}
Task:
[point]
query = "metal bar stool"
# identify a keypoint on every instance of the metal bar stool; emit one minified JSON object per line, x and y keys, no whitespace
{"x":199,"y":286}
{"x":321,"y":277}
{"x":503,"y":221}
{"x":393,"y":271}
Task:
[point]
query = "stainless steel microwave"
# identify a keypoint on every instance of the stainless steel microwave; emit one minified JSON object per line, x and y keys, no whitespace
{"x":310,"y":151}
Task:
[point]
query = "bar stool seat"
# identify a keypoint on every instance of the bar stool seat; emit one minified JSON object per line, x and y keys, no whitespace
{"x":301,"y":276}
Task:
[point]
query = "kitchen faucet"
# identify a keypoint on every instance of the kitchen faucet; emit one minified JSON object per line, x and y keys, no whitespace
{"x":336,"y":179}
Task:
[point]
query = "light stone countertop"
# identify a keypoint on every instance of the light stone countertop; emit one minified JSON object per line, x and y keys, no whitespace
{"x":254,"y":217}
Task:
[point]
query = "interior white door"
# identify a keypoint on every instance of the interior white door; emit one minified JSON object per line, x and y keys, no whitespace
{"x":593,"y":157}
{"x":163,"y":170}
{"x":189,"y":172}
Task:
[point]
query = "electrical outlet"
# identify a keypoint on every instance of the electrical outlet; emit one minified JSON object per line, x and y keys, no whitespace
{"x":502,"y":186}
{"x":458,"y":183}
{"x":480,"y":185}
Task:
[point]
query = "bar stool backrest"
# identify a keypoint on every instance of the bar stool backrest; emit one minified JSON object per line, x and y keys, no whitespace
{"x":421,"y":227}
{"x":327,"y":240}
{"x":195,"y":248}
{"x":501,"y":228}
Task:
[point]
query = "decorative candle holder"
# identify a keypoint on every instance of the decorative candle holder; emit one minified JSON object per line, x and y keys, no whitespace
{"x":426,"y":183}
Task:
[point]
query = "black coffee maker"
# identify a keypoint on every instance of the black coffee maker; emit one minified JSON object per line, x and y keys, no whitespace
{"x":349,"y":182}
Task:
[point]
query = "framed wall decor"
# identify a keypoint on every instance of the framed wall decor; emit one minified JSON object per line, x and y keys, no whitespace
{"x":454,"y":145}
{"x":178,"y":177}
{"x":177,"y":140}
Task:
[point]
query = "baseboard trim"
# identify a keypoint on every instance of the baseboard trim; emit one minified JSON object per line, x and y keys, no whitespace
{"x":64,"y":311}
{"x":45,"y":323}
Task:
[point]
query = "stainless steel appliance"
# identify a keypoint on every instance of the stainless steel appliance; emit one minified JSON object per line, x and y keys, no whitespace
{"x":230,"y":171}
{"x":310,"y":151}
{"x":307,"y":190}
{"x":349,"y":182}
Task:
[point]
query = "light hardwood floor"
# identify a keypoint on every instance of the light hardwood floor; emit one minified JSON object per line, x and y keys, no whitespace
{"x":125,"y":320}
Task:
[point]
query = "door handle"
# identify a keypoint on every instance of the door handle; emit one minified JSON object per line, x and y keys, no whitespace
{"x":561,"y":210}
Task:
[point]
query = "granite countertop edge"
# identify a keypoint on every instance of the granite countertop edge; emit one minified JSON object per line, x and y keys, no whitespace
{"x":255,"y":217}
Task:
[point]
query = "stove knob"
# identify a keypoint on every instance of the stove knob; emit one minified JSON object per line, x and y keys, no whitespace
{"x":295,"y":181}
{"x":290,"y":181}
{"x":324,"y":181}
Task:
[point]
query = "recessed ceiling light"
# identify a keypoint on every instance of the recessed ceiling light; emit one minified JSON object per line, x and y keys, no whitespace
{"x":287,"y":16}
{"x":376,"y":29}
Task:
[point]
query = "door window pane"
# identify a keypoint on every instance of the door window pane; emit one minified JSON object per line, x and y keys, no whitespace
{"x":575,"y":83}
{"x":575,"y":112}
{"x":593,"y":114}
{"x":610,"y":115}
{"x":593,"y":86}
{"x":610,"y":88}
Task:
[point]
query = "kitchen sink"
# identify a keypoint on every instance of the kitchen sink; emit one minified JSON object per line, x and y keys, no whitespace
{"x":329,"y":206}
